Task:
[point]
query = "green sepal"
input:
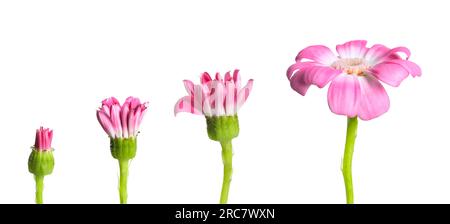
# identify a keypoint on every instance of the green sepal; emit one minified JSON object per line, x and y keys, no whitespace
{"x":222,"y":128}
{"x":41,"y":163}
{"x":123,"y":148}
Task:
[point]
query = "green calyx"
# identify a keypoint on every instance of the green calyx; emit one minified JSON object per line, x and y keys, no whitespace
{"x":41,"y":163}
{"x":222,"y":128}
{"x":123,"y":148}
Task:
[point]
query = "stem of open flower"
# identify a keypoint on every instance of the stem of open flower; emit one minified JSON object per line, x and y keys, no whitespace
{"x":352,"y":127}
{"x":227,"y":157}
{"x":39,"y":188}
{"x":123,"y":165}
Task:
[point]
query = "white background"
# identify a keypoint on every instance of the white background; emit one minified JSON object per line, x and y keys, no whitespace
{"x":59,"y":59}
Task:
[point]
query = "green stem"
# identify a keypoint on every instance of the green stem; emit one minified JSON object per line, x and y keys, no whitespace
{"x":352,"y":127}
{"x":227,"y":157}
{"x":123,"y":164}
{"x":39,"y":188}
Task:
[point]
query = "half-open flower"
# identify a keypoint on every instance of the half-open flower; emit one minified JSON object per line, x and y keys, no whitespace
{"x":218,"y":97}
{"x":354,"y":74}
{"x":219,"y":100}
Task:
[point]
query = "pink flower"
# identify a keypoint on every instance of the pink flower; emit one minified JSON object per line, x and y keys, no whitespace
{"x":219,"y":97}
{"x":354,"y":74}
{"x":43,"y":141}
{"x":121,"y":121}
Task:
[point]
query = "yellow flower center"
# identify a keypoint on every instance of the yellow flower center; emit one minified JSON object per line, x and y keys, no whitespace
{"x":352,"y":66}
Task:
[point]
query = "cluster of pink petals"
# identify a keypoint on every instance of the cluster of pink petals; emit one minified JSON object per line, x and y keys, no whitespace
{"x":43,"y":141}
{"x":354,"y":74}
{"x":218,"y":97}
{"x":121,"y":121}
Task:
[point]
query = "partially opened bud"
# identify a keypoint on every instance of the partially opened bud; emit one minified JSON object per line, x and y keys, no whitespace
{"x":121,"y":123}
{"x":41,"y":161}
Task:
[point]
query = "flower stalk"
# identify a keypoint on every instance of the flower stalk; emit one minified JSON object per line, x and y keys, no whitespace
{"x":123,"y":166}
{"x":39,"y":188}
{"x":227,"y":157}
{"x":352,"y":128}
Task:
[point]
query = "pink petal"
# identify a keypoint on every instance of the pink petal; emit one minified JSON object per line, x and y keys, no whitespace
{"x":373,"y":100}
{"x":110,"y":101}
{"x":198,"y":98}
{"x":218,"y":77}
{"x":115,"y":119}
{"x":317,"y":53}
{"x":404,"y":50}
{"x":134,"y":102}
{"x":137,"y":115}
{"x":218,"y":97}
{"x":132,"y":122}
{"x":390,"y":73}
{"x":227,"y":77}
{"x":50,"y":138}
{"x":186,"y":104}
{"x":124,"y":118}
{"x":375,"y":53}
{"x":36,"y":139}
{"x":352,"y":49}
{"x":143,"y":112}
{"x":237,"y":78}
{"x":207,"y":107}
{"x":189,"y":86}
{"x":106,"y":124}
{"x":230,"y":104}
{"x":312,"y":75}
{"x":410,"y":66}
{"x":205,"y":78}
{"x":41,"y":139}
{"x":297,"y":66}
{"x":244,"y":93}
{"x":343,"y":95}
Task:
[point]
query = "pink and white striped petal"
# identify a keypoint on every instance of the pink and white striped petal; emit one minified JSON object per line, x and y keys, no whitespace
{"x":317,"y":53}
{"x":189,"y":86}
{"x":124,"y":119}
{"x":375,"y":53}
{"x":409,"y":66}
{"x":244,"y":94}
{"x":312,"y":75}
{"x":343,"y":95}
{"x":106,"y":124}
{"x":230,"y":104}
{"x":218,"y":97}
{"x":373,"y":101}
{"x":186,"y":104}
{"x":390,"y":73}
{"x":352,"y":49}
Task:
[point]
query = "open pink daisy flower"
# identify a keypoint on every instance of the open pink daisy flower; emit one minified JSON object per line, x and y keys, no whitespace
{"x":355,"y":75}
